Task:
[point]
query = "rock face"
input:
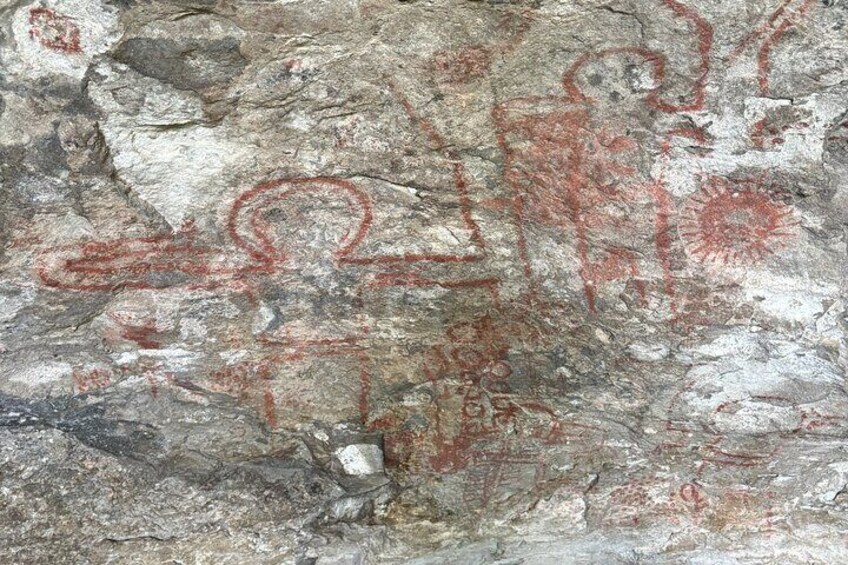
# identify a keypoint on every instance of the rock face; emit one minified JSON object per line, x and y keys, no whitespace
{"x":324,"y":282}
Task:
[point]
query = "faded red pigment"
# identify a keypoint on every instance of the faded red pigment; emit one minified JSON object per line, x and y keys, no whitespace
{"x":777,"y":25}
{"x":472,"y":62}
{"x":735,"y":221}
{"x":158,"y":262}
{"x":437,"y":142}
{"x":144,"y":333}
{"x":248,"y":208}
{"x":54,"y":31}
{"x":769,"y":131}
{"x":554,"y":181}
{"x":649,"y":498}
{"x":479,"y":426}
{"x":387,"y":280}
{"x":461,"y":66}
{"x":250,"y":383}
{"x":713,"y":448}
{"x":504,"y":468}
{"x":164,"y":261}
{"x":92,"y":379}
{"x":704,"y":33}
{"x":142,"y":263}
{"x":563,"y":170}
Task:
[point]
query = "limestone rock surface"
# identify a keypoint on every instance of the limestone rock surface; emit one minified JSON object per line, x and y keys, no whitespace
{"x":430,"y":281}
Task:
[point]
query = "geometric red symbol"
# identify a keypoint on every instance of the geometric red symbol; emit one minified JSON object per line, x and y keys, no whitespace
{"x":735,"y":221}
{"x":569,"y":169}
{"x":769,"y":34}
{"x":142,"y":263}
{"x":276,"y":219}
{"x":273,"y":223}
{"x":55,"y":31}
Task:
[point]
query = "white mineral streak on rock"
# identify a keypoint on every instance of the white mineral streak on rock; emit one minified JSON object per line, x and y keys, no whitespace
{"x":563,"y":512}
{"x":12,"y":300}
{"x":731,"y":150}
{"x":648,"y":351}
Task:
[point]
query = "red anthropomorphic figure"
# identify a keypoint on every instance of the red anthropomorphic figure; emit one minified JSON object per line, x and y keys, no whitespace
{"x":578,"y":164}
{"x":291,"y":239}
{"x":581,"y":162}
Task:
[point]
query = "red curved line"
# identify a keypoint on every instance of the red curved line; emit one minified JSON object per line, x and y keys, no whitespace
{"x":99,"y":265}
{"x":360,"y":197}
{"x":232,"y":218}
{"x":88,"y":264}
{"x":573,"y":92}
{"x":437,"y":141}
{"x":754,"y":35}
{"x":704,"y":31}
{"x":264,"y":252}
{"x":411,"y":258}
{"x":764,"y":54}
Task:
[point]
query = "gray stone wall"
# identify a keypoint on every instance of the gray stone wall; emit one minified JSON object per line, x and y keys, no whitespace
{"x":448,"y":281}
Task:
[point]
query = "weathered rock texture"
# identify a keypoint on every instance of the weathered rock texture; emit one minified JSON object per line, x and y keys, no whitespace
{"x":369,"y":281}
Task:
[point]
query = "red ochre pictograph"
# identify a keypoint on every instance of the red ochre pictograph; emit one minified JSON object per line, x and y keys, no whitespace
{"x":472,"y":62}
{"x":735,"y":222}
{"x":700,"y":435}
{"x":249,"y":384}
{"x":787,"y":15}
{"x":86,"y":380}
{"x":744,"y":510}
{"x":54,"y":31}
{"x":572,"y":168}
{"x":256,"y":384}
{"x":703,"y":32}
{"x":651,"y":499}
{"x":144,"y":333}
{"x":141,"y":263}
{"x":177,"y":260}
{"x":266,"y":223}
{"x":437,"y":141}
{"x":569,"y":172}
{"x":765,"y":134}
{"x":270,"y":240}
{"x":274,"y":229}
{"x":480,"y":431}
{"x":464,"y":65}
{"x":654,"y":499}
{"x":777,"y":125}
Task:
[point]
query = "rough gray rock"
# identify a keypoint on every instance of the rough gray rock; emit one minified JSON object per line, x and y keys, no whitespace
{"x":319,"y":282}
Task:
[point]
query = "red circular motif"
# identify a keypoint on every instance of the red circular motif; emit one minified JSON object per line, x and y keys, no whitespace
{"x":251,"y":228}
{"x":735,"y":221}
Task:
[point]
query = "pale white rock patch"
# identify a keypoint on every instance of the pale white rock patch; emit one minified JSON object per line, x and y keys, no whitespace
{"x":39,"y":374}
{"x":166,"y":152}
{"x":361,"y":459}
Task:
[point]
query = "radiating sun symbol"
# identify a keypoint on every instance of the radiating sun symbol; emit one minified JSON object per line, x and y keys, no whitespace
{"x":735,"y":221}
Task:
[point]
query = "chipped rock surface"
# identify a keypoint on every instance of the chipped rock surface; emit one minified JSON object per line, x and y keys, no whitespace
{"x":429,"y":281}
